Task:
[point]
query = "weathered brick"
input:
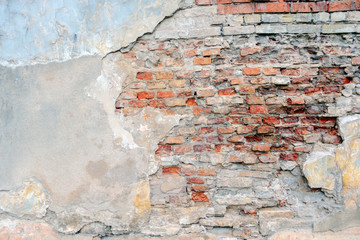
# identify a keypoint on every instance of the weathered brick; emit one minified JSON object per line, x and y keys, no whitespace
{"x":164,"y":75}
{"x":170,"y":170}
{"x":178,"y":102}
{"x":165,"y":94}
{"x":211,"y":52}
{"x":181,"y":148}
{"x":251,"y":71}
{"x":144,"y":76}
{"x":309,"y":6}
{"x":274,"y":7}
{"x":249,"y":51}
{"x":246,"y":90}
{"x":344,"y":5}
{"x":258,"y":109}
{"x":202,"y":61}
{"x":199,"y":197}
{"x":355,"y":61}
{"x":254,"y":100}
{"x":236,"y":139}
{"x":226,"y":91}
{"x":203,"y":2}
{"x":236,"y":9}
{"x":261,"y":147}
{"x":265,"y":129}
{"x":206,"y":172}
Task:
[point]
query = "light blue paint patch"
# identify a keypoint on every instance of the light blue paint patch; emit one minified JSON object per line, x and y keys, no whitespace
{"x":52,"y":29}
{"x":357,"y":162}
{"x":153,"y":11}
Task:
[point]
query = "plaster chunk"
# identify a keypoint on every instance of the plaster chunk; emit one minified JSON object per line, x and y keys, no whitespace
{"x":30,"y":199}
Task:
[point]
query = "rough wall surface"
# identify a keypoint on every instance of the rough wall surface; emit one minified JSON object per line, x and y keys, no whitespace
{"x":233,"y":119}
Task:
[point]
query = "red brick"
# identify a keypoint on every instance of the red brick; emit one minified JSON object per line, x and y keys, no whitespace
{"x":163,"y":149}
{"x":195,"y":180}
{"x":304,"y":130}
{"x":157,"y":103}
{"x":211,"y":52}
{"x":222,"y":147}
{"x":137,"y":104}
{"x":332,"y":139}
{"x":215,"y":139}
{"x":225,"y":130}
{"x":254,"y":138}
{"x":170,"y":170}
{"x":344,"y":5}
{"x":236,"y":9}
{"x":205,"y":93}
{"x":302,"y":149}
{"x":222,"y":1}
{"x":236,"y":139}
{"x":301,"y":80}
{"x":245,"y":129}
{"x":355,"y":61}
{"x":191,"y":102}
{"x":313,"y":90}
{"x":309,"y":6}
{"x":249,"y":51}
{"x":165,"y":94}
{"x":197,"y":139}
{"x":198,"y":110}
{"x":185,"y":93}
{"x":237,"y":81}
{"x":226,"y":91}
{"x":199,"y":188}
{"x":272,"y":7}
{"x":202,"y":61}
{"x":289,"y":157}
{"x":258,"y":109}
{"x":201,"y":148}
{"x":290,"y":72}
{"x":181,"y":148}
{"x":164,"y":75}
{"x":251,"y":71}
{"x":254,"y":100}
{"x":212,"y":121}
{"x":290,"y":120}
{"x":190,"y":52}
{"x":206,"y":130}
{"x":199,"y":197}
{"x":239,"y":110}
{"x":203,"y":2}
{"x":144,"y":75}
{"x":331,"y":89}
{"x":146,"y":95}
{"x":270,"y":71}
{"x":175,"y":140}
{"x":234,"y":120}
{"x":252,"y":120}
{"x":296,"y":100}
{"x":271,"y":120}
{"x":310,"y":120}
{"x":265,"y":129}
{"x":206,"y":172}
{"x":246,"y":90}
{"x":261,"y":147}
{"x":328,"y":121}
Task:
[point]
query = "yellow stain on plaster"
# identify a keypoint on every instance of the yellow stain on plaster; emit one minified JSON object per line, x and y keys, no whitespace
{"x":347,"y":157}
{"x":26,"y":200}
{"x":142,"y":198}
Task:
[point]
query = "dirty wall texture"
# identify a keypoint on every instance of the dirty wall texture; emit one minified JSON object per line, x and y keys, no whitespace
{"x":183,"y":119}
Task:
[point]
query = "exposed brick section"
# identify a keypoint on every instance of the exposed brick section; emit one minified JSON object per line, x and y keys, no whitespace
{"x":255,"y":97}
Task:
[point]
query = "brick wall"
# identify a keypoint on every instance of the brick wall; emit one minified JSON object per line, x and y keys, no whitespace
{"x":257,"y":84}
